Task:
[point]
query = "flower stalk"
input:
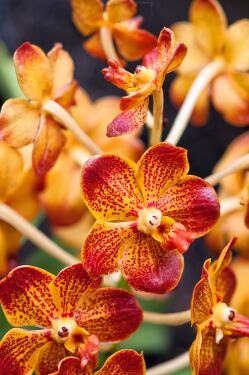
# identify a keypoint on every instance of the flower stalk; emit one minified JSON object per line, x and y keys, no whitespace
{"x":206,"y":75}
{"x":170,"y":366}
{"x":107,"y":43}
{"x":237,"y":165}
{"x":172,"y":319}
{"x":10,"y":216}
{"x":158,"y":102}
{"x":67,"y":120}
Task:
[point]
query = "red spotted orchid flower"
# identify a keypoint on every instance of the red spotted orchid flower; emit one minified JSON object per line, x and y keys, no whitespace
{"x":23,"y":121}
{"x":147,"y":79}
{"x":147,"y":216}
{"x":90,"y":17}
{"x":75,"y":315}
{"x":214,"y":319}
{"x":124,"y":362}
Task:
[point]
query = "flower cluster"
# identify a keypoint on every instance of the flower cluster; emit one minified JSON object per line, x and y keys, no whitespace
{"x":132,"y":211}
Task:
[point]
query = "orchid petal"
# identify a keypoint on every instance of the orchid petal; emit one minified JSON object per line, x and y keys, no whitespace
{"x":87,"y":14}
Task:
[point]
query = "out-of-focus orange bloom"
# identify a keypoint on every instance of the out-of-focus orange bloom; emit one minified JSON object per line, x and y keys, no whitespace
{"x":132,"y":43}
{"x":208,"y":38}
{"x":237,"y":360}
{"x":148,"y":78}
{"x":147,"y":216}
{"x":232,"y":186}
{"x":23,"y":121}
{"x":61,"y":197}
{"x":213,"y":317}
{"x":75,"y":315}
{"x":124,"y":362}
{"x":17,"y":190}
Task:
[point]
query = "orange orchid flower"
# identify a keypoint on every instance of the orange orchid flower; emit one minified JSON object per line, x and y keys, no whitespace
{"x":147,"y":216}
{"x":132,"y":43}
{"x":208,"y":38}
{"x":61,"y":197}
{"x":23,"y":121}
{"x":124,"y":362}
{"x":147,"y":78}
{"x":17,"y":190}
{"x":75,"y":315}
{"x":236,"y":185}
{"x":213,"y":317}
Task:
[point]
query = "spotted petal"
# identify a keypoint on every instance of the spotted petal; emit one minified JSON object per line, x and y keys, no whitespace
{"x":71,"y":366}
{"x":222,"y":279}
{"x":69,"y":285}
{"x":19,"y":350}
{"x":48,"y":143}
{"x":202,"y":298}
{"x":120,"y":10}
{"x":11,"y":169}
{"x":230,"y":97}
{"x":25,"y":297}
{"x":110,"y":314}
{"x":100,"y":252}
{"x":143,"y":256}
{"x":124,"y":362}
{"x":206,"y":357}
{"x":209,"y":21}
{"x":109,"y":188}
{"x":18,"y":122}
{"x":33,"y":71}
{"x":161,"y":166}
{"x":191,"y":202}
{"x":49,"y":358}
{"x":129,"y":121}
{"x":87,"y":14}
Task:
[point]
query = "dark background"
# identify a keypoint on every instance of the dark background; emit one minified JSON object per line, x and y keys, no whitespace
{"x":45,"y":22}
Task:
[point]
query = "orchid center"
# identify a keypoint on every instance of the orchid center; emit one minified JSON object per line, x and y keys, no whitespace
{"x":222,"y":314}
{"x":144,"y":75}
{"x":149,"y":219}
{"x":63,"y":329}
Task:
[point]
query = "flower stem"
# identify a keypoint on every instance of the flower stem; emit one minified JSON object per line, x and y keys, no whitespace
{"x":156,"y":131}
{"x":10,"y":216}
{"x":204,"y":77}
{"x":67,"y":120}
{"x":233,"y":167}
{"x":107,"y":43}
{"x":172,"y":319}
{"x":229,"y":204}
{"x":170,"y":366}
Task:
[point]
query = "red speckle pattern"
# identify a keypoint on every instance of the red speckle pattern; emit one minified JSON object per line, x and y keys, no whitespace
{"x":160,"y":167}
{"x":26,"y":298}
{"x":100,"y":252}
{"x":129,"y":121}
{"x":143,"y":256}
{"x":19,"y":350}
{"x":191,"y":202}
{"x":71,"y":366}
{"x":69,"y":285}
{"x":110,"y":314}
{"x":124,"y":362}
{"x":49,"y":358}
{"x":110,"y":189}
